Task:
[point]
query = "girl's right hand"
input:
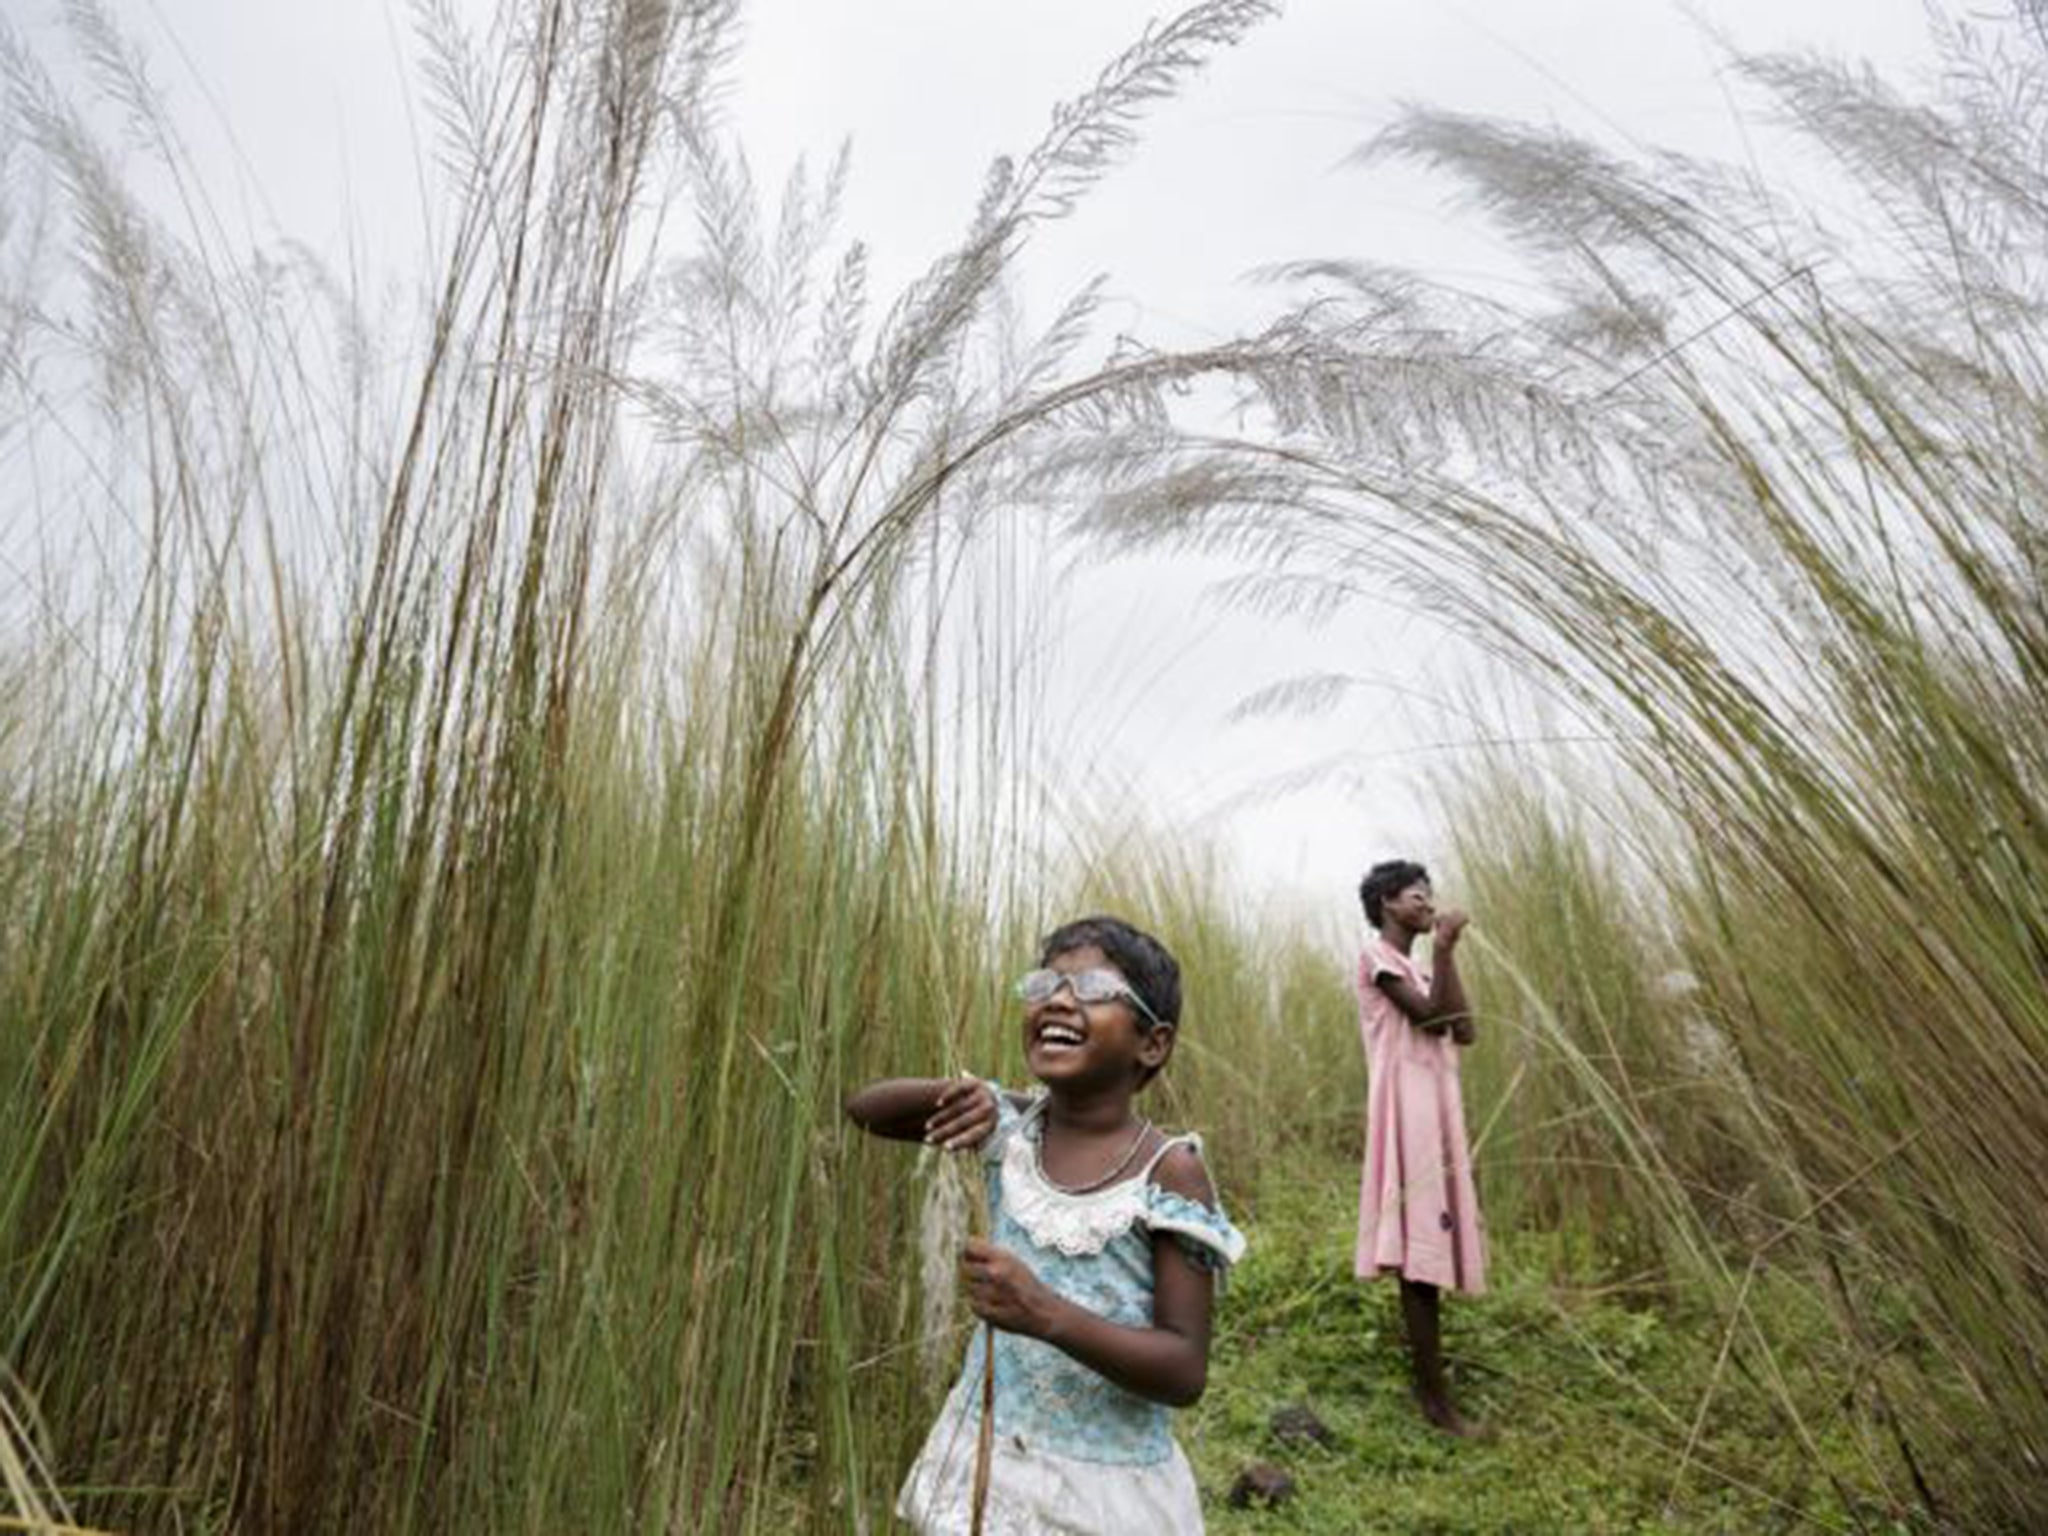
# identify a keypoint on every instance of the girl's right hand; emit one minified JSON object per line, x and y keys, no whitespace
{"x":963,"y":1116}
{"x":1003,"y":1292}
{"x":1450,"y":925}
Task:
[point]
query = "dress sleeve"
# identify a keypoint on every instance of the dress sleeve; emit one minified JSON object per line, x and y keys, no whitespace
{"x":1010,"y":1108}
{"x":1204,"y":1234}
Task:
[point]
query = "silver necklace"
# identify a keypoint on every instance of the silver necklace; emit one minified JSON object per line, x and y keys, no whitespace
{"x":1130,"y":1156}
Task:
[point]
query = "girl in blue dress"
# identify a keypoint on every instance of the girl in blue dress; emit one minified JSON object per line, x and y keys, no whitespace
{"x":1106,"y":1241}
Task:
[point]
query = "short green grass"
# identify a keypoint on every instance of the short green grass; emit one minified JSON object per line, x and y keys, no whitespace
{"x":1589,"y":1389}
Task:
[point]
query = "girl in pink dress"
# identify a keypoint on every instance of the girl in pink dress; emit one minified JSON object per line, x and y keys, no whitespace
{"x":1418,"y":1213}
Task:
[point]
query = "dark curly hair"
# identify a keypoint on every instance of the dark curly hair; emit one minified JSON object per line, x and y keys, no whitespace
{"x":1388,"y":878}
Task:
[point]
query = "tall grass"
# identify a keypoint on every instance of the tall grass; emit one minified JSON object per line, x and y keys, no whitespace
{"x":1758,"y":494}
{"x":1566,"y":959}
{"x":1267,"y":1063}
{"x":458,"y":854}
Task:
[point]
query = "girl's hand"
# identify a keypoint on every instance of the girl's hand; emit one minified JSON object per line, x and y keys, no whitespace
{"x":962,"y":1117}
{"x":1002,"y":1290}
{"x":1450,"y":924}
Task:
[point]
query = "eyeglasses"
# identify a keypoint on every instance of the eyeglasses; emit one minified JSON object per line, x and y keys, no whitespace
{"x":1097,"y":986}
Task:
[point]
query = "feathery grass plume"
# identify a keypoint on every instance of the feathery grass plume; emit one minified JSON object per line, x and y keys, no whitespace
{"x":1759,"y":496}
{"x":476,"y":858}
{"x":943,"y":1226}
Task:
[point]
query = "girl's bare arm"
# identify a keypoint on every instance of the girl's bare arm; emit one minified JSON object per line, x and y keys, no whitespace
{"x":1442,"y":1009}
{"x":1167,"y":1362}
{"x":949,"y":1112}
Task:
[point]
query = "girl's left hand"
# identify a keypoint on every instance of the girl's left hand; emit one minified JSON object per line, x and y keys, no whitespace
{"x":963,"y":1116}
{"x":1002,"y":1290}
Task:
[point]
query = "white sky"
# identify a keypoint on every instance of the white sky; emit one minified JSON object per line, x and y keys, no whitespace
{"x":297,"y":118}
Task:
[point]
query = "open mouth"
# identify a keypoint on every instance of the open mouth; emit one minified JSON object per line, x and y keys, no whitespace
{"x":1059,"y":1037}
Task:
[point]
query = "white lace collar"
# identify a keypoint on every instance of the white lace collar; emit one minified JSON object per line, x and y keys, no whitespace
{"x":1053,"y":1218}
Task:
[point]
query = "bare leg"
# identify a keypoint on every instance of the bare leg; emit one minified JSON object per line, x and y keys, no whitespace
{"x":1419,"y":1312}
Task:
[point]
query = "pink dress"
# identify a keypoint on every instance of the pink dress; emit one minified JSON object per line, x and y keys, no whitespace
{"x":1418,"y":1213}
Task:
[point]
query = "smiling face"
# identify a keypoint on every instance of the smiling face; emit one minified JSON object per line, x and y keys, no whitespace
{"x":1068,"y":1043}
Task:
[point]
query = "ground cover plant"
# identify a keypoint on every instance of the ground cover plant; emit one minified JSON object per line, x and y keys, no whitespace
{"x":1588,"y":1380}
{"x":1753,"y":496}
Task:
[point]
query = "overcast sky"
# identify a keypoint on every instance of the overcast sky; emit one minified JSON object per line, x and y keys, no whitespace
{"x":297,"y":116}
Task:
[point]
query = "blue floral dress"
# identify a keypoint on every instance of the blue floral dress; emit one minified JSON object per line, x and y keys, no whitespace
{"x":1073,"y":1452}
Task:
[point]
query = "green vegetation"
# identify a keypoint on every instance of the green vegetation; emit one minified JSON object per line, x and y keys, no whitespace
{"x":451,"y":865}
{"x":451,"y":876}
{"x":1605,"y":1405}
{"x":1750,"y":495}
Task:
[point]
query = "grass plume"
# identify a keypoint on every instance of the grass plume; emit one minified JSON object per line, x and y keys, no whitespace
{"x":499,"y":808}
{"x":1755,"y":494}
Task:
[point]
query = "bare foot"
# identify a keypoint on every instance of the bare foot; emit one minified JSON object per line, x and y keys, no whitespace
{"x":1446,"y":1419}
